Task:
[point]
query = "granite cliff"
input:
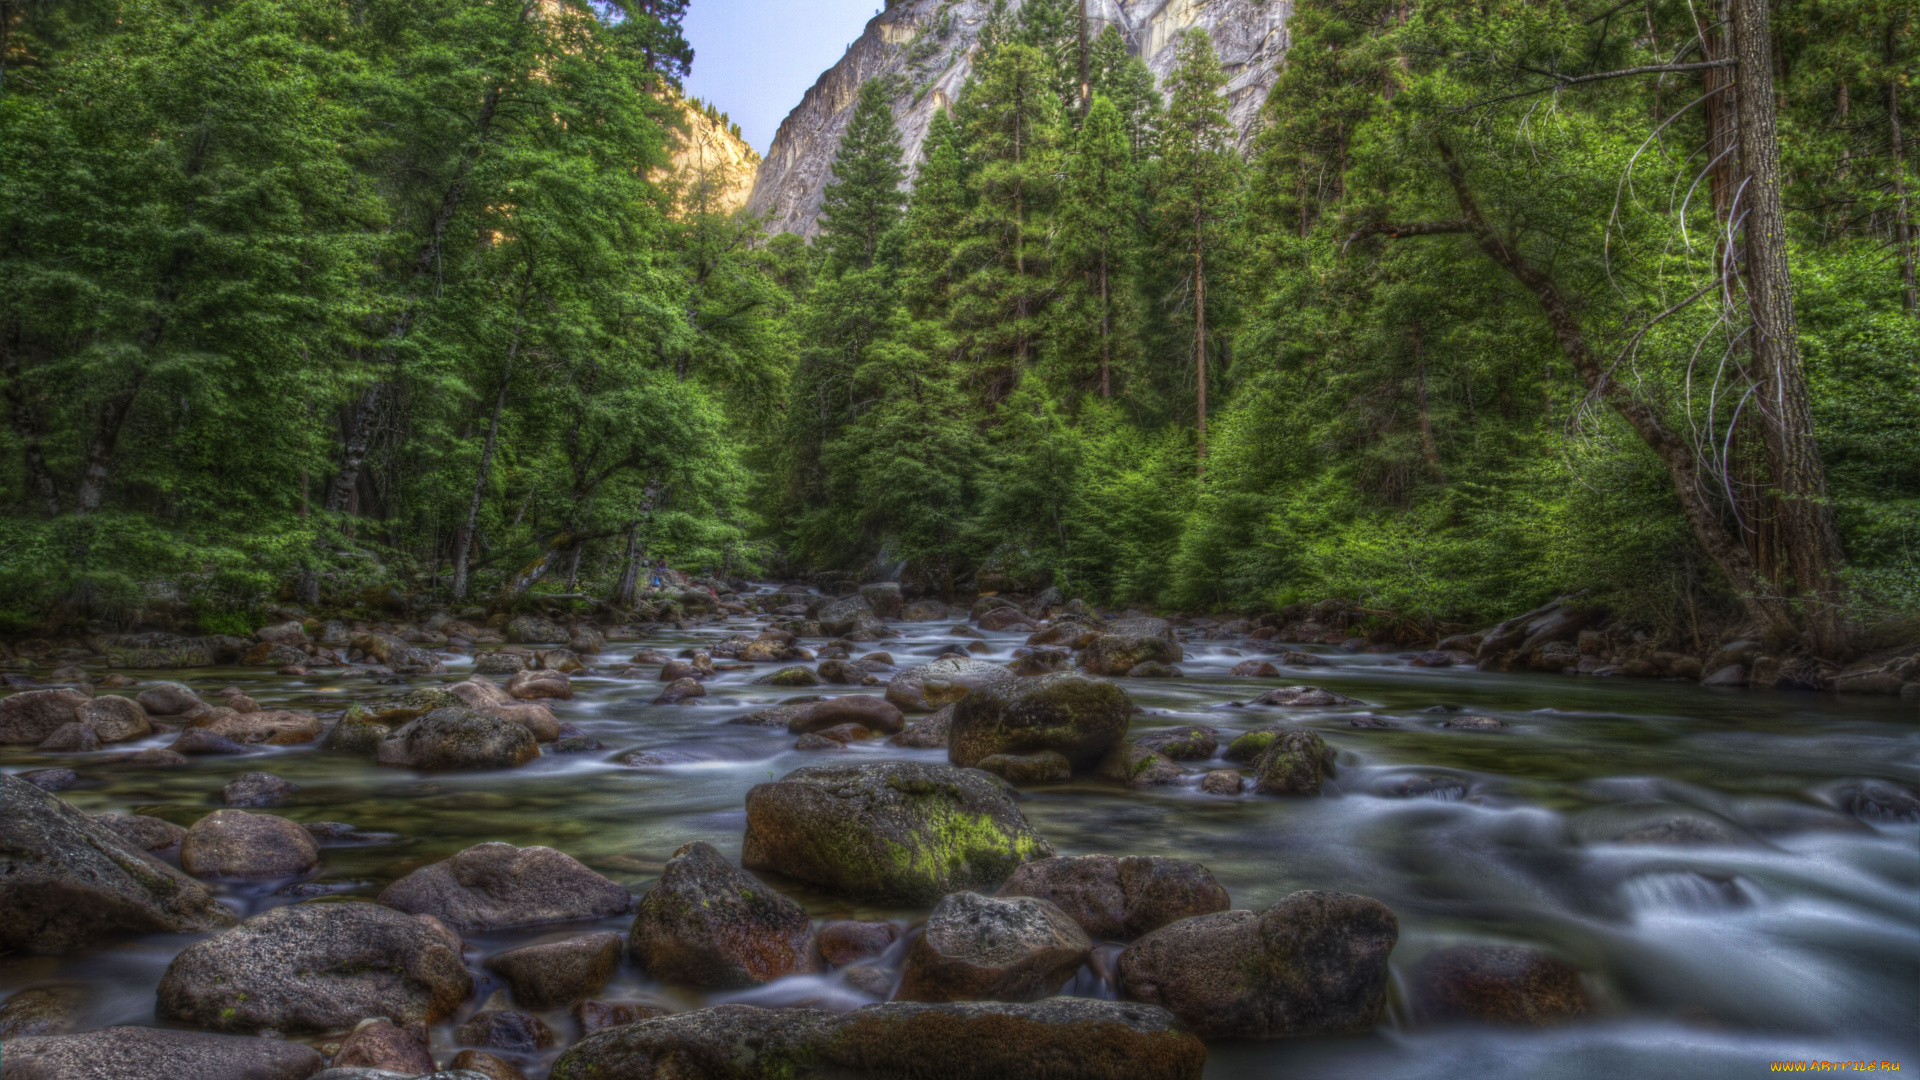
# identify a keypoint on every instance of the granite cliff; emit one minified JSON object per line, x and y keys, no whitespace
{"x":927,"y":46}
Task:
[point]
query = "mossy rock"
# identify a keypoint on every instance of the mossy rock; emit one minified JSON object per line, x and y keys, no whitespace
{"x":1079,"y":718}
{"x":359,"y":732}
{"x":895,"y":832}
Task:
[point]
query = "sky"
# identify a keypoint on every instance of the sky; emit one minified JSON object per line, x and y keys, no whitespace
{"x":753,"y":59}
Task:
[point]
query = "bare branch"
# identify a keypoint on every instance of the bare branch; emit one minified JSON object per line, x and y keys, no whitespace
{"x":1412,"y":228}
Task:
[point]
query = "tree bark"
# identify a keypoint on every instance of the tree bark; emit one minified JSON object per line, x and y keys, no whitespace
{"x":627,"y":593}
{"x":1427,"y":444}
{"x":463,"y":539}
{"x":1806,"y":513}
{"x":1106,"y":331}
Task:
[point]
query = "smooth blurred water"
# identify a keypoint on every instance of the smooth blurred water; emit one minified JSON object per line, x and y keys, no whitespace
{"x":1795,"y":937}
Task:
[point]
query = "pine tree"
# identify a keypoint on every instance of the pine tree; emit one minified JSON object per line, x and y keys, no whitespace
{"x":1200,"y":184}
{"x":1096,"y":219}
{"x":936,"y":220}
{"x":865,"y":199}
{"x":1013,"y":128}
{"x":1125,"y":80}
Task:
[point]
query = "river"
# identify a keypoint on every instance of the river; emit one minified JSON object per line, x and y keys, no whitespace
{"x":1787,"y":929}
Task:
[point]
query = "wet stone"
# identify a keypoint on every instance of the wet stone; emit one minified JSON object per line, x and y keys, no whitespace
{"x":258,"y":789}
{"x":503,"y":1029}
{"x":1506,"y":984}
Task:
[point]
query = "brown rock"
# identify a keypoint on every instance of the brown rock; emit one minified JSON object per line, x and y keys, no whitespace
{"x":146,"y":1053}
{"x":1223,"y":782}
{"x":873,"y":713}
{"x":113,"y":718}
{"x":1255,"y":669}
{"x":73,"y":738}
{"x":167,"y":699}
{"x":378,"y":1044}
{"x":684,"y":689}
{"x":142,"y":832}
{"x":1314,"y":963}
{"x":280,"y":727}
{"x":497,"y":886}
{"x":503,"y":1029}
{"x":32,"y":715}
{"x":596,"y":1015}
{"x":1120,"y":898}
{"x":536,"y":685}
{"x":479,"y":1061}
{"x":978,"y":948}
{"x":549,"y":975}
{"x":709,"y":925}
{"x":842,"y":943}
{"x":236,"y":844}
{"x":1504,"y":984}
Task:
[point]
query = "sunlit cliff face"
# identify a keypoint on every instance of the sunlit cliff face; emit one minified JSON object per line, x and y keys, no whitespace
{"x":928,"y":45}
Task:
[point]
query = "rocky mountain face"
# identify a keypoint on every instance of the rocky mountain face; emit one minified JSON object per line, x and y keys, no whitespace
{"x":711,"y":164}
{"x":926,"y":46}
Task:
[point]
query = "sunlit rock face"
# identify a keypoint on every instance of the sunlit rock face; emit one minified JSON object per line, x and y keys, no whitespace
{"x":928,"y":45}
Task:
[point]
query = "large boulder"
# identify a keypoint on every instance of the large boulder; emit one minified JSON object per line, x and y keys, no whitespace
{"x":316,"y":968}
{"x":1313,"y":964}
{"x":114,"y":718}
{"x":497,"y":886}
{"x":846,"y":615}
{"x":1079,"y":718}
{"x":885,"y":598}
{"x":457,"y":738}
{"x":539,"y":685}
{"x":167,"y":699}
{"x":379,"y":1043}
{"x":533,"y":630}
{"x":236,"y":844}
{"x":1120,"y":898}
{"x":553,"y":973}
{"x":1117,"y":652}
{"x":708,"y":925}
{"x":874,"y":713}
{"x":895,"y":831}
{"x":67,"y":880}
{"x":32,"y":715}
{"x":144,"y":1053}
{"x":483,"y":695}
{"x":1293,"y":763}
{"x":978,"y":948}
{"x":1056,"y":1039}
{"x":943,"y":682}
{"x":1506,"y":984}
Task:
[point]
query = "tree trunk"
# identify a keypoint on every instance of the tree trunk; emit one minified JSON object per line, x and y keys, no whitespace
{"x":1674,"y":450}
{"x":107,"y":421}
{"x":627,"y":594}
{"x":530,"y":574}
{"x":463,"y":539}
{"x":1806,"y":514}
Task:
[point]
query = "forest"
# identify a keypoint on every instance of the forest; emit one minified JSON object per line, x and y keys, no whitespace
{"x":355,"y":304}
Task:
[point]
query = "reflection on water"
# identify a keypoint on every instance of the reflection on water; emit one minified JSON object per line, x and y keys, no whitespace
{"x":1704,"y":855}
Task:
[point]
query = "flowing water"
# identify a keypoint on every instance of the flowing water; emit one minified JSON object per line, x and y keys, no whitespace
{"x":1773,"y":925}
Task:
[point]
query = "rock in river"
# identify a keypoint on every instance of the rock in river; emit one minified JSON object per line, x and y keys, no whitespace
{"x":1074,"y":716}
{"x":1120,"y":898}
{"x":978,"y":948}
{"x":1506,"y":984}
{"x":316,"y":967}
{"x":236,"y":844}
{"x":1292,"y":764}
{"x":895,"y":831}
{"x":32,"y":715}
{"x":67,"y":880}
{"x":943,"y":682}
{"x":497,"y":886}
{"x":1313,"y":964}
{"x":553,"y":973}
{"x":143,"y":1053}
{"x":1118,"y":651}
{"x":1056,"y":1039}
{"x":709,"y":925}
{"x":457,"y":738}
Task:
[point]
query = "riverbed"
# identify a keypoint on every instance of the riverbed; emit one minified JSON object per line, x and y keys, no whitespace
{"x":1703,"y":856}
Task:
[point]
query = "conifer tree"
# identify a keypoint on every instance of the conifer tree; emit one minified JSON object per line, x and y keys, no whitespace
{"x":1096,"y":218}
{"x":865,"y":199}
{"x":1013,"y":128}
{"x":936,"y":219}
{"x":1200,"y":182}
{"x":1125,"y":80}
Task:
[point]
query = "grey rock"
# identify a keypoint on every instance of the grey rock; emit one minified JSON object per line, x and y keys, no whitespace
{"x":551,"y":974}
{"x":67,"y":880}
{"x":144,"y":833}
{"x":236,"y":844}
{"x":257,"y":789}
{"x":31,"y":715}
{"x":141,"y":1053}
{"x":497,"y":886}
{"x":978,"y":948}
{"x":942,"y":682}
{"x":316,"y":968}
{"x":1081,"y":719}
{"x":1120,"y":898}
{"x":709,"y":925}
{"x":457,"y":738}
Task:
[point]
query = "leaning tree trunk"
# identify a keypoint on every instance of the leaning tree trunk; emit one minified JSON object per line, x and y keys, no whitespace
{"x":627,"y":593}
{"x":463,"y":539}
{"x":1806,"y":513}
